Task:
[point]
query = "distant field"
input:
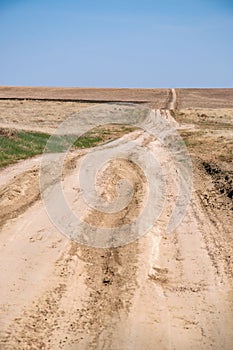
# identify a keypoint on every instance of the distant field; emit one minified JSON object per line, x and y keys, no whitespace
{"x":158,"y":96}
{"x":204,"y":98}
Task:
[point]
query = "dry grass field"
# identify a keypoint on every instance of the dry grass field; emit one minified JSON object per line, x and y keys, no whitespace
{"x":34,"y":115}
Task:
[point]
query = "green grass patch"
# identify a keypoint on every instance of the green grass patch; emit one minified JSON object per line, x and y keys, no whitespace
{"x":20,"y":145}
{"x":88,"y":141}
{"x":17,"y":145}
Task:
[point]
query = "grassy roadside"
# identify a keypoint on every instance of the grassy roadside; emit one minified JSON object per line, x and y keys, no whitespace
{"x":208,"y":135}
{"x":17,"y":145}
{"x":20,"y":145}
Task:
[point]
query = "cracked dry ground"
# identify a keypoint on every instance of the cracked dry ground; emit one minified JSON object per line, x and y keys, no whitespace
{"x":159,"y":292}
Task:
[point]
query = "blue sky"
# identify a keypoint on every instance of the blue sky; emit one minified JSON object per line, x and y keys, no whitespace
{"x":123,"y":43}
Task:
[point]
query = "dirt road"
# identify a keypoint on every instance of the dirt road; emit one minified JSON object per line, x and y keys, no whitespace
{"x":159,"y":292}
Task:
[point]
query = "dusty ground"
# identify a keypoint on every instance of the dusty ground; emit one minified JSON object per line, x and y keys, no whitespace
{"x":160,"y":292}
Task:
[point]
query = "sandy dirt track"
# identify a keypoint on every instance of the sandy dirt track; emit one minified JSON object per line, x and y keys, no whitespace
{"x":159,"y":292}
